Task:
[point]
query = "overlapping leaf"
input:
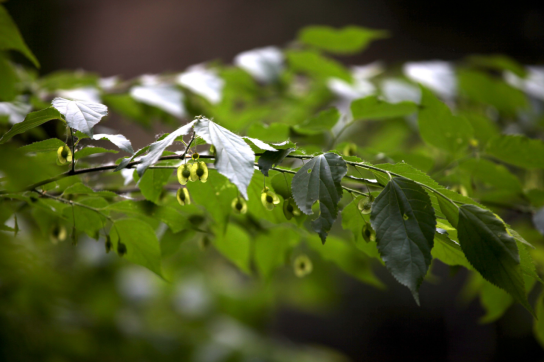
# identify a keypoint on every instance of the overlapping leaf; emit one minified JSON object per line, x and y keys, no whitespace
{"x":81,"y":115}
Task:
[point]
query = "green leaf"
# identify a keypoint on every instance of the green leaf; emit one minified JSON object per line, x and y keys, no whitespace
{"x":8,"y":85}
{"x":346,"y":258}
{"x":372,"y":107}
{"x":491,"y":174}
{"x":439,"y":128}
{"x":448,"y":251}
{"x":275,"y":132}
{"x":404,"y":220}
{"x":11,"y":39}
{"x":89,"y":150}
{"x":141,"y":243}
{"x":498,"y":62}
{"x":517,"y":150}
{"x":491,"y":251}
{"x":495,"y":302}
{"x":316,"y":65}
{"x":271,"y":159}
{"x":152,"y":183}
{"x":80,"y":189}
{"x":538,"y":327}
{"x":348,"y":40}
{"x":86,"y":220}
{"x":271,"y":249}
{"x":483,"y":89}
{"x":117,"y":139}
{"x":32,"y":120}
{"x":319,"y":180}
{"x":281,"y":183}
{"x":323,"y":122}
{"x":484,"y":128}
{"x":49,"y":145}
{"x":235,"y":245}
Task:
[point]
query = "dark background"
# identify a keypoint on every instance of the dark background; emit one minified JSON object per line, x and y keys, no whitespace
{"x":133,"y":37}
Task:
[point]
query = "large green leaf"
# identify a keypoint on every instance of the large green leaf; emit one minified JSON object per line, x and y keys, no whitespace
{"x":448,"y":251}
{"x":235,"y":245}
{"x":348,"y":40}
{"x":319,"y":180}
{"x":51,"y":144}
{"x":80,"y":115}
{"x":491,"y":251}
{"x":372,"y":107}
{"x":483,"y":89}
{"x":142,"y":246}
{"x":89,"y":150}
{"x":87,"y":220}
{"x":439,"y":128}
{"x":271,"y":248}
{"x":517,"y":150}
{"x":323,"y":122}
{"x":8,"y":85}
{"x":11,"y":39}
{"x":152,"y":182}
{"x":281,"y":183}
{"x":404,"y":220}
{"x":32,"y":120}
{"x":316,"y":65}
{"x":491,"y":174}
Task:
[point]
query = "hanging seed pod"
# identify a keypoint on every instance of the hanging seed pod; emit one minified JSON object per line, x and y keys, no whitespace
{"x":239,"y":205}
{"x":365,"y":205}
{"x":64,"y":155}
{"x":108,"y":244}
{"x":121,"y":248}
{"x":368,"y":233}
{"x":350,"y":149}
{"x":183,"y":196}
{"x":199,"y":171}
{"x":302,"y":266}
{"x":269,"y":199}
{"x":57,"y":233}
{"x":212,"y":150}
{"x":290,"y":208}
{"x":184,"y":172}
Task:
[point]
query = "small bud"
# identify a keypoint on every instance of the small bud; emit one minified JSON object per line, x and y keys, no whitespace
{"x":302,"y":266}
{"x":108,"y":244}
{"x":183,"y":196}
{"x":290,"y":208}
{"x":121,"y":248}
{"x":57,"y":233}
{"x":368,"y":233}
{"x":269,"y":199}
{"x":199,"y":171}
{"x":184,"y":172}
{"x":239,"y":205}
{"x":365,"y":205}
{"x":212,"y":150}
{"x":64,"y":155}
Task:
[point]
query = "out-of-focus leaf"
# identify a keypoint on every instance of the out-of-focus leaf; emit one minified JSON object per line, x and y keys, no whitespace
{"x":117,"y":139}
{"x":165,"y":97}
{"x":32,"y":120}
{"x":51,"y":144}
{"x":372,"y":107}
{"x":275,"y":132}
{"x":8,"y":85}
{"x":86,"y":220}
{"x":89,"y":150}
{"x":498,"y":62}
{"x":316,"y":65}
{"x":439,"y":128}
{"x":323,"y":122}
{"x":517,"y":150}
{"x":152,"y":182}
{"x":491,"y":173}
{"x":271,"y":249}
{"x":235,"y":245}
{"x":348,"y":40}
{"x":11,"y":39}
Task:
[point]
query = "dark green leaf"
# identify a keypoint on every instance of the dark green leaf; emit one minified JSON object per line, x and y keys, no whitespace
{"x":319,"y":180}
{"x":271,"y":159}
{"x":11,"y":39}
{"x":348,"y":40}
{"x":32,"y":120}
{"x":373,"y":108}
{"x":491,"y":251}
{"x":404,"y":220}
{"x":517,"y":150}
